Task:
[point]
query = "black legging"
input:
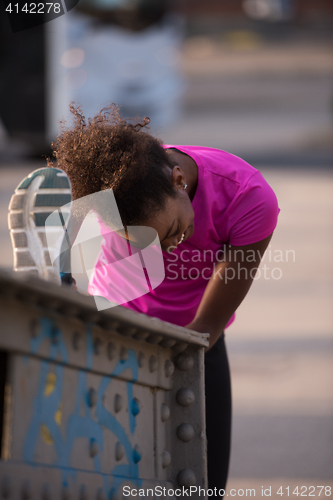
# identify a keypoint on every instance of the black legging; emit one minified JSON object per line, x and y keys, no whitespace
{"x":218,"y":414}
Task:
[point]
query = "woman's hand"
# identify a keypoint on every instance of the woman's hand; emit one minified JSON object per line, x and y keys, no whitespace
{"x":227,"y":287}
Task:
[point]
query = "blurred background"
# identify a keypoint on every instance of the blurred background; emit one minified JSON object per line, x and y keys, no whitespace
{"x":254,"y":78}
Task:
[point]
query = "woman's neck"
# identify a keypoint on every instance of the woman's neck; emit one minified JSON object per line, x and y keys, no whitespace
{"x":188,"y":166}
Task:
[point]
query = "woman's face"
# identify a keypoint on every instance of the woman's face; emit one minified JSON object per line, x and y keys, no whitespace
{"x":174,"y":221}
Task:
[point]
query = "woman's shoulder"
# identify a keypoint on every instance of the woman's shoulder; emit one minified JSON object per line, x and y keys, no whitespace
{"x":217,"y":162}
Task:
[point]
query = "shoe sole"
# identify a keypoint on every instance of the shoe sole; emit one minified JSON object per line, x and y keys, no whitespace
{"x":35,"y":198}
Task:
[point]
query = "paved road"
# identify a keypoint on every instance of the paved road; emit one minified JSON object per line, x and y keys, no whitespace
{"x":281,"y":346}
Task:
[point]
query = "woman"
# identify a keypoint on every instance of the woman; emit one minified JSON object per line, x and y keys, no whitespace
{"x":214,"y":215}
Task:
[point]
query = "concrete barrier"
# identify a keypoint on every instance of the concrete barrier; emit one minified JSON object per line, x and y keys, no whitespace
{"x":95,"y":405}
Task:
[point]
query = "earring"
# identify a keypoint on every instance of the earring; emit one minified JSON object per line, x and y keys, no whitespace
{"x":185,"y":186}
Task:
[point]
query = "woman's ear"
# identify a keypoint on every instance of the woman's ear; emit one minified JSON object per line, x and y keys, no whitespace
{"x":178,"y":177}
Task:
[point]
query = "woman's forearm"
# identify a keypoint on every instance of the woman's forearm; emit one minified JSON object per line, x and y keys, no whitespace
{"x":226,"y":290}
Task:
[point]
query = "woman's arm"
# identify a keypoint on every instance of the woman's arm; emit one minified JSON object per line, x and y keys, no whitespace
{"x":227,"y":287}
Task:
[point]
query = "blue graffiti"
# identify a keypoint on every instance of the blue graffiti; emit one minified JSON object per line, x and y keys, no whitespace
{"x":81,"y":422}
{"x":50,"y":332}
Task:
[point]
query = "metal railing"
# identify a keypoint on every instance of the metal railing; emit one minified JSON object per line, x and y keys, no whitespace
{"x":95,"y":404}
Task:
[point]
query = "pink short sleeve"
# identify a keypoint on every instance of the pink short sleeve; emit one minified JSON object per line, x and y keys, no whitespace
{"x":253,"y":213}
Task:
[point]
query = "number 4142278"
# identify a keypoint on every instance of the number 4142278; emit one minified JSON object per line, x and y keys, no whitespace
{"x":34,"y":8}
{"x":305,"y":491}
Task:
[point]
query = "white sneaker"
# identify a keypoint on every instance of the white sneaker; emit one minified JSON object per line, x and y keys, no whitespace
{"x":36,"y":197}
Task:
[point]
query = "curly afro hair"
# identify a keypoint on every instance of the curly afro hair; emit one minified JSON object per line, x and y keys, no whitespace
{"x":107,"y":152}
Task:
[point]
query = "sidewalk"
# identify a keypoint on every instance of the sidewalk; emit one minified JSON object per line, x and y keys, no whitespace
{"x":281,"y":346}
{"x":269,"y":101}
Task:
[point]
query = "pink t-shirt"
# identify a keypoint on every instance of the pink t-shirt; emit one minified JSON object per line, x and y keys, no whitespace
{"x":232,"y":204}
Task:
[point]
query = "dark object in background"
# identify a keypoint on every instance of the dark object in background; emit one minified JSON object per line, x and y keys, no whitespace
{"x":22,"y":63}
{"x":134,"y":15}
{"x":22,"y":89}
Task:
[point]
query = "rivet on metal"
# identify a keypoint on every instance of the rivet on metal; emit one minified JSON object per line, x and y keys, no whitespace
{"x":179,"y":347}
{"x":47,"y":301}
{"x":135,"y":407}
{"x":186,"y":478}
{"x":127,"y":330}
{"x":97,"y":346}
{"x":26,"y":491}
{"x":93,"y":447}
{"x":111,"y":351}
{"x":137,"y":454}
{"x":141,"y":335}
{"x":169,"y":368}
{"x":168,"y":342}
{"x":166,"y":459}
{"x":153,"y":364}
{"x":113,"y":325}
{"x":165,"y":412}
{"x":69,"y":310}
{"x":46,"y":492}
{"x":141,"y":359}
{"x":105,"y":322}
{"x":154,"y":338}
{"x":101,"y":495}
{"x":83,"y":493}
{"x":34,"y":327}
{"x":76,"y":340}
{"x":118,"y":403}
{"x":6,"y":487}
{"x":89,"y":317}
{"x":185,"y":397}
{"x":184,"y":361}
{"x":123,"y":354}
{"x":185,"y":432}
{"x":92,"y":397}
{"x":120,"y":451}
